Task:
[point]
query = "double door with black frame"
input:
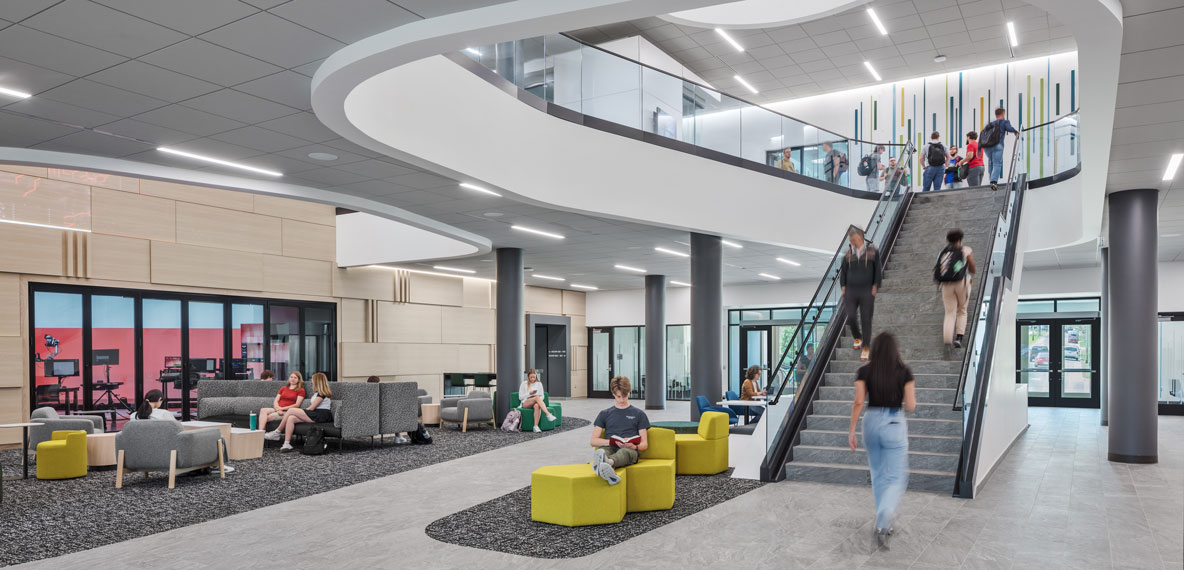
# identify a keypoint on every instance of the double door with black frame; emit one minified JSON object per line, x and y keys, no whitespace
{"x":616,"y":351}
{"x":1059,"y":361}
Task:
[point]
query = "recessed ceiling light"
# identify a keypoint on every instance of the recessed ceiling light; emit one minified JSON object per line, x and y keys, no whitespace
{"x":479,"y":189}
{"x":672,"y":252}
{"x":939,"y":58}
{"x":725,"y":36}
{"x":746,"y":84}
{"x":548,"y":277}
{"x":537,"y":232}
{"x":767,"y":276}
{"x":1170,"y":235}
{"x":14,"y":93}
{"x":628,"y":268}
{"x":493,"y":214}
{"x":1173,"y":166}
{"x":877,"y":22}
{"x":218,"y":161}
{"x":789,"y":261}
{"x":680,"y":283}
{"x":473,"y":51}
{"x":731,"y":244}
{"x":588,"y":287}
{"x":1015,"y":42}
{"x":869,"y":67}
{"x":322,"y":156}
{"x":456,"y":269}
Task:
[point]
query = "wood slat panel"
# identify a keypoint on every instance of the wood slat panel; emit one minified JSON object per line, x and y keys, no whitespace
{"x":353,"y":320}
{"x":364,"y":283}
{"x":119,"y":258}
{"x":402,"y":322}
{"x":366,"y":358}
{"x":29,"y":249}
{"x":296,"y":209}
{"x":579,"y":331}
{"x":436,"y":290}
{"x":182,"y":264}
{"x":133,"y":215}
{"x":302,"y":276}
{"x":229,"y":199}
{"x":99,"y":179}
{"x":12,"y":374}
{"x":12,"y":411}
{"x":425,"y":358}
{"x":574,"y":303}
{"x":25,"y":198}
{"x":10,"y":305}
{"x":579,"y":358}
{"x":198,"y":224}
{"x":579,"y":384}
{"x":463,"y":325}
{"x":310,"y":241}
{"x":543,"y":300}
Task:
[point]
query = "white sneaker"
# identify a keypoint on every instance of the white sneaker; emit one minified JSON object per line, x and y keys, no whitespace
{"x":228,"y":469}
{"x":286,"y":447}
{"x":272,"y":435}
{"x":400,"y":440}
{"x":550,"y":418}
{"x":537,"y":430}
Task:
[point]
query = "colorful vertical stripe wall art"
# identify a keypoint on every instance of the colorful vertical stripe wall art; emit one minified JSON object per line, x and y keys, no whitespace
{"x":954,"y":103}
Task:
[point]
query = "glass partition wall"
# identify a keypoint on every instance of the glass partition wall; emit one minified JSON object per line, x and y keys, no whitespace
{"x":620,"y":351}
{"x":97,"y":348}
{"x":1171,"y":364}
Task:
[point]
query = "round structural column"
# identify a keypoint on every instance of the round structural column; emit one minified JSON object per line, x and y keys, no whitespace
{"x":706,"y":319}
{"x":1104,"y":360}
{"x":1133,"y":290}
{"x":511,"y":328}
{"x":655,"y":342}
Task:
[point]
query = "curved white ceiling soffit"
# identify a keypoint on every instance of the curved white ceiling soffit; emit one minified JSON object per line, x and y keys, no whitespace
{"x":760,"y":13}
{"x":402,"y":236}
{"x":388,"y":94}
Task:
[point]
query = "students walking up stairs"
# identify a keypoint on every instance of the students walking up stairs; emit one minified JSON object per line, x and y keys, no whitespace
{"x":909,"y":305}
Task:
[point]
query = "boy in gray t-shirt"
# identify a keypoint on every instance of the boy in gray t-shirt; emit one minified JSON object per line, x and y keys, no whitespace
{"x":623,"y":421}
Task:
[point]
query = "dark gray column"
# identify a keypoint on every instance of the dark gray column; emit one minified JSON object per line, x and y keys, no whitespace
{"x":511,"y":323}
{"x":655,"y":342}
{"x":1133,"y":290}
{"x":706,"y":326}
{"x":1104,"y":360}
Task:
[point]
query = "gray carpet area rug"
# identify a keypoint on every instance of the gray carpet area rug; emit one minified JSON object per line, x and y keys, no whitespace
{"x":504,"y":524}
{"x":42,"y":519}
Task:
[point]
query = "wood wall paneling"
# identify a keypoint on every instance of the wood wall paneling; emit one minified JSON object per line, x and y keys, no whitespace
{"x":310,"y":241}
{"x":478,"y":293}
{"x":25,"y":198}
{"x":300,"y":276}
{"x":366,"y":358}
{"x":119,"y":258}
{"x":182,"y":264}
{"x":133,"y":215}
{"x":579,"y":357}
{"x":463,"y":325}
{"x":425,"y":358}
{"x":433,"y":383}
{"x":579,"y":384}
{"x":353,"y":320}
{"x":229,"y":199}
{"x":12,"y":410}
{"x":543,"y":300}
{"x":402,"y":322}
{"x":295,"y":209}
{"x":199,"y":224}
{"x":364,"y":283}
{"x":11,"y":352}
{"x":38,"y":171}
{"x":436,"y":290}
{"x":112,"y":181}
{"x":579,"y":330}
{"x":10,"y":306}
{"x":472,"y":358}
{"x":29,"y":249}
{"x":574,"y":303}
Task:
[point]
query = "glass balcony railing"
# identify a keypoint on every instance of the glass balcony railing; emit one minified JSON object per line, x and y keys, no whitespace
{"x":1050,"y":148}
{"x":597,"y":83}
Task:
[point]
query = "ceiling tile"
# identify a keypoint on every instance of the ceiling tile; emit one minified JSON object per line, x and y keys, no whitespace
{"x":43,"y":50}
{"x":345,"y":20}
{"x":90,"y":142}
{"x":832,"y":38}
{"x":158,"y":135}
{"x":274,"y":40}
{"x":218,"y":149}
{"x":91,"y":95}
{"x":286,"y":87}
{"x":374,"y":168}
{"x":302,"y":125}
{"x":308,"y":69}
{"x":302,"y":153}
{"x":204,"y":60}
{"x":330,"y":177}
{"x":422,"y":180}
{"x":99,"y":26}
{"x":239,"y":106}
{"x":787,"y":34}
{"x":188,"y":16}
{"x":29,"y":78}
{"x":46,"y":108}
{"x":15,"y":11}
{"x":260,"y":139}
{"x":140,"y":77}
{"x":433,"y":8}
{"x":187,"y":120}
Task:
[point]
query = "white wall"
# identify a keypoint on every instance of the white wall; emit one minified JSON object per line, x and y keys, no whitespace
{"x":1088,"y":281}
{"x":627,"y":307}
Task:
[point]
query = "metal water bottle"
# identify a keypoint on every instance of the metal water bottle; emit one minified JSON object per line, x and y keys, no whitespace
{"x":254,"y":421}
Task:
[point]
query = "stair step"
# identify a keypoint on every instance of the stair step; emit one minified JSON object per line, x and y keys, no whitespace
{"x":917,"y":442}
{"x":923,"y":460}
{"x":917,"y":366}
{"x":926,"y":395}
{"x":941,"y":411}
{"x":923,"y":381}
{"x":919,"y":480}
{"x":919,"y":426}
{"x":910,"y":354}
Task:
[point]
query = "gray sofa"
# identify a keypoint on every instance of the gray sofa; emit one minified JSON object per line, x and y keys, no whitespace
{"x":475,"y":407}
{"x":50,"y":422}
{"x":424,"y":398}
{"x":398,"y":407}
{"x":166,"y":446}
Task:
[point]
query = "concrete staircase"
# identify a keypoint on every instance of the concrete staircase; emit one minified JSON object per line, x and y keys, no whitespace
{"x":909,"y":305}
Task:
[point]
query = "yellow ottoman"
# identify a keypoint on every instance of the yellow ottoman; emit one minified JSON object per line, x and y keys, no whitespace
{"x":651,"y":479}
{"x":706,"y":452}
{"x":63,"y":457}
{"x":574,"y":495}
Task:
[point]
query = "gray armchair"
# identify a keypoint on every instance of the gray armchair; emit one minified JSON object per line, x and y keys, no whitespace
{"x":424,"y":398}
{"x":149,"y":445}
{"x":474,"y":407}
{"x":50,"y":422}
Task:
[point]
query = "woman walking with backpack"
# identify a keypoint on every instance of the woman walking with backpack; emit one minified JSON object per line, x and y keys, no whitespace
{"x":887,"y":385}
{"x":955,"y":265}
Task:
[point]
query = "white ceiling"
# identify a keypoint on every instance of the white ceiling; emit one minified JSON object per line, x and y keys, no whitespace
{"x":827,"y":54}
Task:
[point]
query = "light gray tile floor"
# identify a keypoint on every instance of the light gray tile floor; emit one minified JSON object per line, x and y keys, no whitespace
{"x":1054,"y":502}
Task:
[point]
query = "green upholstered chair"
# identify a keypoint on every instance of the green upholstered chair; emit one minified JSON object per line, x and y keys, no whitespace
{"x":483,"y":381}
{"x":555,"y":408}
{"x":453,"y":380}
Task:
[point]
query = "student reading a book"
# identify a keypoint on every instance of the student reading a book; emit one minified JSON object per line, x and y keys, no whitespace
{"x":619,"y":433}
{"x":531,"y":395}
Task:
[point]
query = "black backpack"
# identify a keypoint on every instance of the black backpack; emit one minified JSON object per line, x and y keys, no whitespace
{"x":950,"y":266}
{"x":990,"y":135}
{"x":421,"y":436}
{"x":865,"y":165}
{"x":314,"y":442}
{"x":936,"y":154}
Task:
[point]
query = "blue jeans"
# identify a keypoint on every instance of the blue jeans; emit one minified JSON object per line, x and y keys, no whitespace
{"x":886,"y":438}
{"x":933,"y":176}
{"x":995,"y":156}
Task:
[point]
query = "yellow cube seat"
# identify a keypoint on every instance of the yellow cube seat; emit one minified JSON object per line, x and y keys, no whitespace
{"x":651,"y":479}
{"x":705,"y":452}
{"x":574,"y":495}
{"x":63,"y":457}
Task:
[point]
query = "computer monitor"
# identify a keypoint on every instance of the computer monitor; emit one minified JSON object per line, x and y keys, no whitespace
{"x":61,"y":368}
{"x":172,"y":362}
{"x":205,"y":365}
{"x":104,"y":356}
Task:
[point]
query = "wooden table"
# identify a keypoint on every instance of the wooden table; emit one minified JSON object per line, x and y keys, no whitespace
{"x":244,"y":444}
{"x":196,"y":424}
{"x":748,"y":405}
{"x":25,"y":441}
{"x":100,"y":450}
{"x":430,"y":414}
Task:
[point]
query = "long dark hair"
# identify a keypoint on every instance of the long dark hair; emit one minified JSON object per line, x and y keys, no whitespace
{"x":145,"y":410}
{"x":885,"y":358}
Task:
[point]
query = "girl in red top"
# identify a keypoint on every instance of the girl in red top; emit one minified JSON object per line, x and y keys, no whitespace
{"x":973,"y":157}
{"x":289,"y":396}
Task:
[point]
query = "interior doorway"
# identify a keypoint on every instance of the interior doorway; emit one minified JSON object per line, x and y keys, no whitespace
{"x":1058,"y":360}
{"x":548,"y":346}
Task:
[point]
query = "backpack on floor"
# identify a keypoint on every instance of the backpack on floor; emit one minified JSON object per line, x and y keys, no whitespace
{"x":865,"y":165}
{"x":421,"y":436}
{"x":990,"y":135}
{"x":512,"y":421}
{"x":314,"y":442}
{"x":936,"y":154}
{"x":951,"y":265}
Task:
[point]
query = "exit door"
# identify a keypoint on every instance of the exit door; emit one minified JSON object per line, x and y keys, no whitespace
{"x":1058,"y":360}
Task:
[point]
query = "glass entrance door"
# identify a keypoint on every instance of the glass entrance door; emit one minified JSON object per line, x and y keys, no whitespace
{"x":1058,"y":361}
{"x":755,"y":350}
{"x":600,"y":367}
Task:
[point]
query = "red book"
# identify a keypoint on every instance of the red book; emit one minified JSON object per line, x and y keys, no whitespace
{"x":618,"y":441}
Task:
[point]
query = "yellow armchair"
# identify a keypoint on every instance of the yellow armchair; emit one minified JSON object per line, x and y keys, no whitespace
{"x":63,"y":457}
{"x":705,"y":452}
{"x":651,"y":479}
